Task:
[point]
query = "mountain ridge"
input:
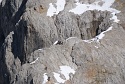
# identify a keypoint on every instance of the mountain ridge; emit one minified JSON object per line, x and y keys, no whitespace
{"x":63,"y":47}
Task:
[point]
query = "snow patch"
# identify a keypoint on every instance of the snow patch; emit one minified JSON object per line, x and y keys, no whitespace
{"x":55,"y":10}
{"x":109,"y":29}
{"x":35,"y":61}
{"x":98,"y":37}
{"x":70,"y":38}
{"x":39,"y":49}
{"x":114,"y":17}
{"x":66,"y":70}
{"x":88,"y":41}
{"x":96,"y":47}
{"x":51,"y":11}
{"x":55,"y":42}
{"x":81,"y":8}
{"x":45,"y":77}
{"x":58,"y":78}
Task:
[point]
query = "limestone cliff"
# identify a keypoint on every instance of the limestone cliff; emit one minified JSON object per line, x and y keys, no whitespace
{"x":62,"y":42}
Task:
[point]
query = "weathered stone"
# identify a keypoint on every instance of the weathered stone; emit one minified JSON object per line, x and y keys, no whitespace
{"x":28,"y":54}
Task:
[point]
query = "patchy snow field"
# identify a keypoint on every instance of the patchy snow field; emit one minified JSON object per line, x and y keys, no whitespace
{"x":81,"y":8}
{"x":55,"y":10}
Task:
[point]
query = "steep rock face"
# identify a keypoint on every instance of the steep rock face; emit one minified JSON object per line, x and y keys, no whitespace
{"x":27,"y":35}
{"x":101,"y":65}
{"x":120,"y":5}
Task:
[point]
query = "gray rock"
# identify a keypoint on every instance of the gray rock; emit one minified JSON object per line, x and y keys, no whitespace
{"x":28,"y":54}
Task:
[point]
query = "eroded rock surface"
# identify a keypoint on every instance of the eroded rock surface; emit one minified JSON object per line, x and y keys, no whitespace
{"x":65,"y":48}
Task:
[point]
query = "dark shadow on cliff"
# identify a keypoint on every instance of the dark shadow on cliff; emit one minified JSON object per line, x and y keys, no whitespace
{"x":7,"y":24}
{"x":8,"y":20}
{"x":2,"y":37}
{"x":24,"y":44}
{"x":19,"y":36}
{"x":19,"y":13}
{"x":4,"y":73}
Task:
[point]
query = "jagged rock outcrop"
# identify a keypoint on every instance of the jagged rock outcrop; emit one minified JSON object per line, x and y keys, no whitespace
{"x":65,"y":48}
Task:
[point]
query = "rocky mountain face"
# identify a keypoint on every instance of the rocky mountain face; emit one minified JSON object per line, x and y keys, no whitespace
{"x":62,"y":42}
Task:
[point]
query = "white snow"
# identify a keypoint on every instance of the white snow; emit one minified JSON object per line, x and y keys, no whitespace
{"x":70,"y":38}
{"x":58,"y":78}
{"x":55,"y":10}
{"x":39,"y":49}
{"x":114,"y":17}
{"x":55,"y":42}
{"x":66,"y":70}
{"x":98,"y":37}
{"x":45,"y":77}
{"x":101,"y":35}
{"x":96,"y":47}
{"x":51,"y":11}
{"x":60,"y":5}
{"x":81,"y":8}
{"x":35,"y":61}
{"x":87,"y":41}
{"x":109,"y":29}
